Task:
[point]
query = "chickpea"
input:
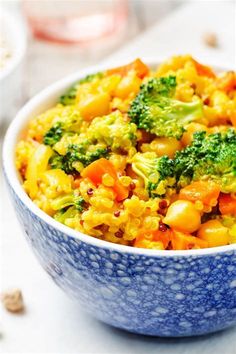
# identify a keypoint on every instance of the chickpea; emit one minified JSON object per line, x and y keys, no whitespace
{"x":165,"y":146}
{"x":190,"y":130}
{"x":109,"y":83}
{"x":129,"y":83}
{"x":13,"y":300}
{"x":94,"y":105}
{"x":214,"y":233}
{"x":183,"y":216}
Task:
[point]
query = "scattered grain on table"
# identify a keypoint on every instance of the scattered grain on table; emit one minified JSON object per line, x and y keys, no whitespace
{"x":13,"y":300}
{"x":211,"y":39}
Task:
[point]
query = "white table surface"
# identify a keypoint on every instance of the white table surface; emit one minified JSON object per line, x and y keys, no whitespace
{"x":52,"y":322}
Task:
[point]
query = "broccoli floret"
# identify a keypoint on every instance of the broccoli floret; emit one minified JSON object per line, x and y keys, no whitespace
{"x":157,"y":172}
{"x":66,"y":213}
{"x":76,"y":158}
{"x":79,"y":204}
{"x":68,"y":206}
{"x":54,"y":134}
{"x":65,"y":201}
{"x":69,"y":121}
{"x":91,"y":77}
{"x":155,"y":110}
{"x":209,"y":157}
{"x":69,"y":96}
{"x":114,"y":131}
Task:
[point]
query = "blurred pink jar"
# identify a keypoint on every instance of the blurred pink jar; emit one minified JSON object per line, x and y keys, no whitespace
{"x":75,"y":21}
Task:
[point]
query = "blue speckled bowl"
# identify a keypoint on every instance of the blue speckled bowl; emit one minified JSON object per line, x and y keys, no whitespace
{"x":161,"y":293}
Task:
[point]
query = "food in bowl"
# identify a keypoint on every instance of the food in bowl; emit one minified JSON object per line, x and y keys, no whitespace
{"x":139,"y":157}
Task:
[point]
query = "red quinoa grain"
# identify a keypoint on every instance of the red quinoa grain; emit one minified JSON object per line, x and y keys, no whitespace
{"x":90,"y":191}
{"x":163,"y":204}
{"x":119,"y":234}
{"x":163,"y":227}
{"x":117,"y":213}
{"x":132,"y":185}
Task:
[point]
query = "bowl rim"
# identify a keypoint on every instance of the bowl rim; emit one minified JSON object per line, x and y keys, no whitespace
{"x":18,"y":34}
{"x":11,"y":137}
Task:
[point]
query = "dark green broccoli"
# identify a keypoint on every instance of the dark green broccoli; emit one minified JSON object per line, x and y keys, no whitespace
{"x":157,"y":172}
{"x":76,"y":158}
{"x":209,"y":157}
{"x":69,"y":96}
{"x":79,"y":203}
{"x":69,"y":121}
{"x":54,"y":134}
{"x":155,"y":110}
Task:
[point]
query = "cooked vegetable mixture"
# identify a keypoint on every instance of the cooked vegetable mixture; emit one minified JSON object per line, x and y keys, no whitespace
{"x":140,"y":157}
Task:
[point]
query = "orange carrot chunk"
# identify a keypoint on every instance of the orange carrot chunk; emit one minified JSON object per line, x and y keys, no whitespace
{"x":153,"y":236}
{"x":205,"y":191}
{"x":227,"y":204}
{"x":233,"y":119}
{"x":203,"y":70}
{"x":96,"y":170}
{"x":227,"y":81}
{"x":164,"y":237}
{"x":183,"y":241}
{"x":141,"y":69}
{"x":121,"y":192}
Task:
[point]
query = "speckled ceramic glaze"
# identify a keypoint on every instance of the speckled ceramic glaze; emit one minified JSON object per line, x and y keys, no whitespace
{"x":148,"y":294}
{"x":161,"y":293}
